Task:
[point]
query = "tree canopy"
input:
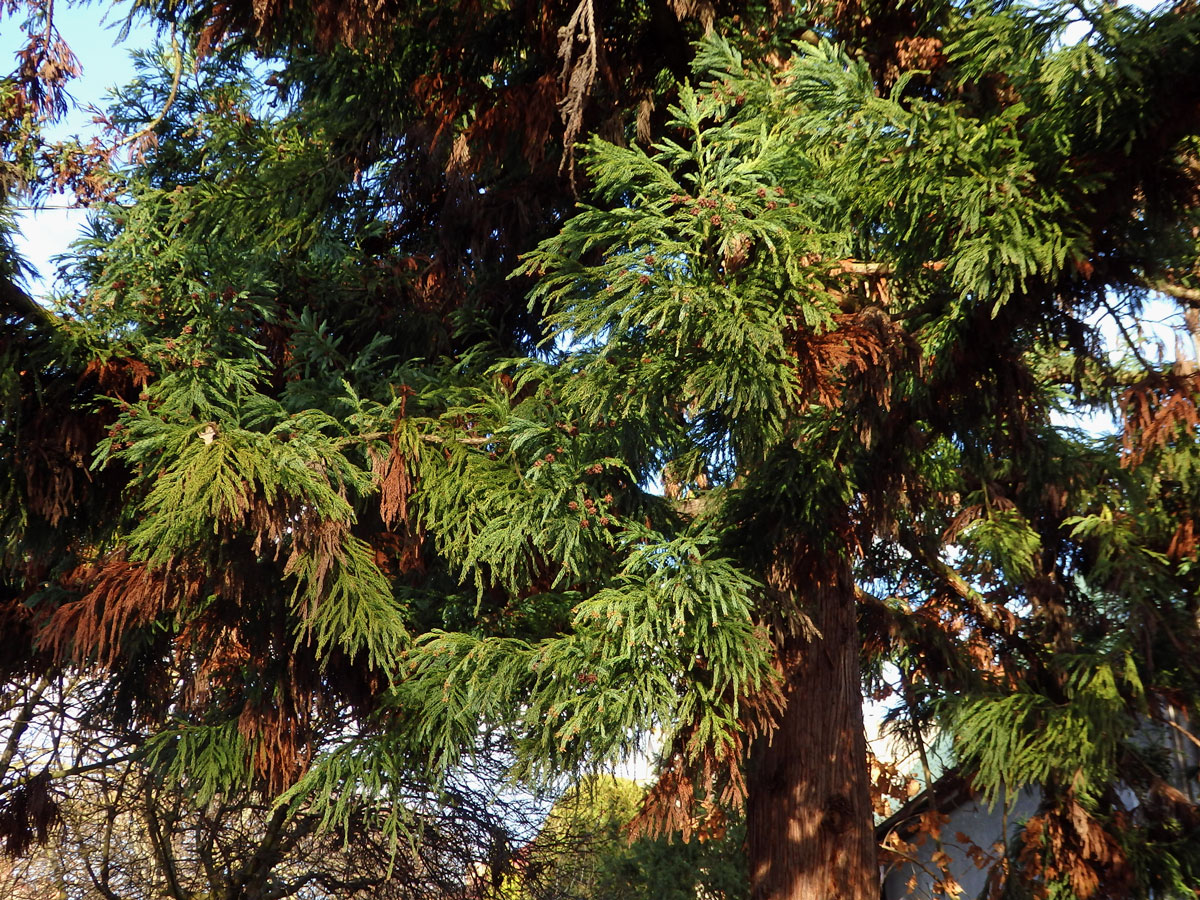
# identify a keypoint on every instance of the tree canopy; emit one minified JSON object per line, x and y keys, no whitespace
{"x":352,"y":449}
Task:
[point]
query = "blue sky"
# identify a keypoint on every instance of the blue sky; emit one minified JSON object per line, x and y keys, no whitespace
{"x":91,"y":31}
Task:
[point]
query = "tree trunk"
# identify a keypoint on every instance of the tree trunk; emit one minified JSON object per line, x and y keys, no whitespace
{"x":810,"y":833}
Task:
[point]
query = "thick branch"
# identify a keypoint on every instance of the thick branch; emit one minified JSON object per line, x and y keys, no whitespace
{"x":1187,"y":734}
{"x":878,"y":269}
{"x":69,"y":771}
{"x":15,"y":300}
{"x":161,"y":843}
{"x":21,"y":724}
{"x":1191,"y":296}
{"x":953,"y":580}
{"x":266,"y":855}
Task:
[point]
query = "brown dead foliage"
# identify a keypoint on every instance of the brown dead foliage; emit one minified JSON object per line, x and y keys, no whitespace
{"x":855,"y":359}
{"x":288,"y":524}
{"x":54,"y":454}
{"x":236,"y":654}
{"x":529,"y":110}
{"x":889,"y":787}
{"x":1158,"y":410}
{"x":669,"y":805}
{"x":583,"y":56}
{"x":965,"y":518}
{"x":320,"y":541}
{"x":56,"y":439}
{"x":890,"y":34}
{"x":18,"y":653}
{"x":281,"y":736}
{"x":398,"y":554}
{"x":119,"y":377}
{"x":28,"y":814}
{"x":395,"y":481}
{"x":118,"y":597}
{"x":1066,"y":844}
{"x":220,"y":670}
{"x":579,"y":63}
{"x":684,"y":800}
{"x":919,"y":53}
{"x":38,"y":89}
{"x":1183,"y":541}
{"x":349,"y":22}
{"x":699,"y":782}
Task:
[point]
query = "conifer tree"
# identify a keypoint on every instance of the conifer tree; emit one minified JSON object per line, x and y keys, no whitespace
{"x":858,"y":292}
{"x":254,"y":452}
{"x":289,"y":442}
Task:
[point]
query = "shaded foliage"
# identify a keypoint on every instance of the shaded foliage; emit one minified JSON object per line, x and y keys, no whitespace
{"x":291,"y":447}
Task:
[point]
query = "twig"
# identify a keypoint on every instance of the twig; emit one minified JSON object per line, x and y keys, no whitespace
{"x":49,"y":32}
{"x":80,"y":769}
{"x":469,"y":441}
{"x":858,"y":267}
{"x":906,"y":681}
{"x":1187,"y":734}
{"x":902,"y":857}
{"x":1129,"y":342}
{"x":162,"y":113}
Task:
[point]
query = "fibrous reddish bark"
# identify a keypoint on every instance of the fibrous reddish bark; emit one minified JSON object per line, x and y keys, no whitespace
{"x":808,"y":809}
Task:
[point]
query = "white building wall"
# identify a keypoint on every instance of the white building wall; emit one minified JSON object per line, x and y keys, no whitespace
{"x":984,"y":826}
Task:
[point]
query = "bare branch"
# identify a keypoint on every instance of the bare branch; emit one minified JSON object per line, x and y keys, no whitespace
{"x":1129,"y":342}
{"x":1187,"y":734}
{"x":21,"y":724}
{"x":1191,"y":296}
{"x":162,"y":113}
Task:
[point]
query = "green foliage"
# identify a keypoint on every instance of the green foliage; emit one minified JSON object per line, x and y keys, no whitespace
{"x":1021,"y":739}
{"x":339,"y":528}
{"x":670,"y":641}
{"x":584,"y":852}
{"x":205,"y":758}
{"x":709,"y":292}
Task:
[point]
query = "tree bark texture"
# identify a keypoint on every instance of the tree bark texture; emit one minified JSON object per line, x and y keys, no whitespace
{"x":809,"y":823}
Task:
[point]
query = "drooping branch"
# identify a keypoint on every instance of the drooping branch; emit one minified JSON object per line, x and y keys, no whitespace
{"x":577,"y":76}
